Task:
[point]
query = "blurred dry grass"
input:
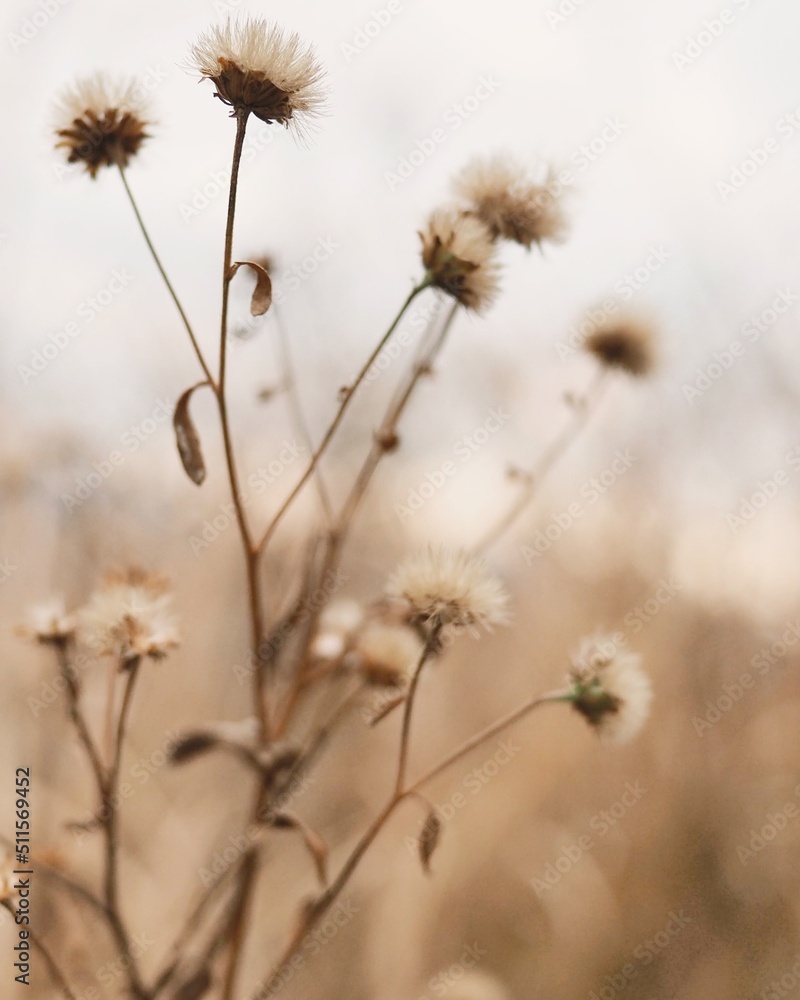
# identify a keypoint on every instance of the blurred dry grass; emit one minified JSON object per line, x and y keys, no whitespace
{"x":606,"y":924}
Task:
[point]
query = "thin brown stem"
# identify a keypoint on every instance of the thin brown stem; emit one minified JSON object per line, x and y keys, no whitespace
{"x":289,"y":379}
{"x":583,"y":410}
{"x":167,"y":282}
{"x":408,"y":708}
{"x":347,"y":396}
{"x":77,"y":719}
{"x":314,"y":913}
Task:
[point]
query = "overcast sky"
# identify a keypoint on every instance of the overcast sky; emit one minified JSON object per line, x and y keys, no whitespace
{"x":678,"y":124}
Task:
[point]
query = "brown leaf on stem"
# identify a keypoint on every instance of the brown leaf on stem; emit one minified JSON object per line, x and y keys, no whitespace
{"x":190,"y":746}
{"x":429,"y":839}
{"x":187,"y":438}
{"x":262,"y":293}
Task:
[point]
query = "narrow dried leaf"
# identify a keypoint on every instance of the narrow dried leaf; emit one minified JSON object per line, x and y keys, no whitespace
{"x":429,"y":839}
{"x":262,"y":293}
{"x":187,"y":438}
{"x":192,"y":745}
{"x":387,"y":709}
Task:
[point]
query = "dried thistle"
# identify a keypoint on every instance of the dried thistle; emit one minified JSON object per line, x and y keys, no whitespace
{"x":609,"y":689}
{"x":259,"y":69}
{"x":627,"y":344}
{"x":511,"y":205}
{"x":101,"y":123}
{"x":127,"y":617}
{"x":443,"y":587}
{"x":385,"y":654}
{"x":460,"y":258}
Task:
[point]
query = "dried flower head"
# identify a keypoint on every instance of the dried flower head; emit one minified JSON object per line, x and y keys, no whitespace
{"x":627,"y":344}
{"x":49,"y":623}
{"x":128,"y":617}
{"x":460,"y":258}
{"x":609,"y":689}
{"x":259,"y":69}
{"x":101,"y":123}
{"x":337,"y":623}
{"x":502,"y":195}
{"x":444,"y":587}
{"x":386,"y":653}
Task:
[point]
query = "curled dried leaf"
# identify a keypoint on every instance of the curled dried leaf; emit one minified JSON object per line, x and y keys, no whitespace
{"x":429,"y":839}
{"x":190,"y":746}
{"x":187,"y":438}
{"x":262,"y":293}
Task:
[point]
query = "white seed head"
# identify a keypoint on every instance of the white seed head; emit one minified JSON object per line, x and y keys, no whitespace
{"x":128,"y":617}
{"x":387,"y":653}
{"x":610,"y":689}
{"x":49,"y":622}
{"x":260,"y":69}
{"x":447,"y":587}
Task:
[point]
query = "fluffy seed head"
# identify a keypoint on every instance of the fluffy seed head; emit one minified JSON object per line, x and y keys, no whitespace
{"x":386,"y":653}
{"x":502,"y":195}
{"x":49,"y":623}
{"x":460,"y":257}
{"x":128,"y":617}
{"x":627,"y":345}
{"x":444,"y":587}
{"x":100,"y":123}
{"x":609,"y":689}
{"x":259,"y":69}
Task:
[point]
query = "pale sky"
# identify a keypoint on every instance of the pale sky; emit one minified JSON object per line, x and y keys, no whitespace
{"x":683,"y":208}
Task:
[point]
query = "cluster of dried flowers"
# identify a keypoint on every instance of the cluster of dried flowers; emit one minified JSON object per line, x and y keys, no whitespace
{"x":259,"y":70}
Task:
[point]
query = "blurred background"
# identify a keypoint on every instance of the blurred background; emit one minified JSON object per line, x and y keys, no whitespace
{"x":679,"y":126}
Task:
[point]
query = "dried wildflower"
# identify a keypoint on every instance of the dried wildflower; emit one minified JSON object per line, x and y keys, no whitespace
{"x":337,"y":623}
{"x":101,"y":123}
{"x":443,"y":587}
{"x":127,"y":617}
{"x":385,"y":654}
{"x":627,"y":345}
{"x":49,"y":623}
{"x":500,"y":193}
{"x":460,"y":258}
{"x":259,"y":69}
{"x":609,"y":689}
